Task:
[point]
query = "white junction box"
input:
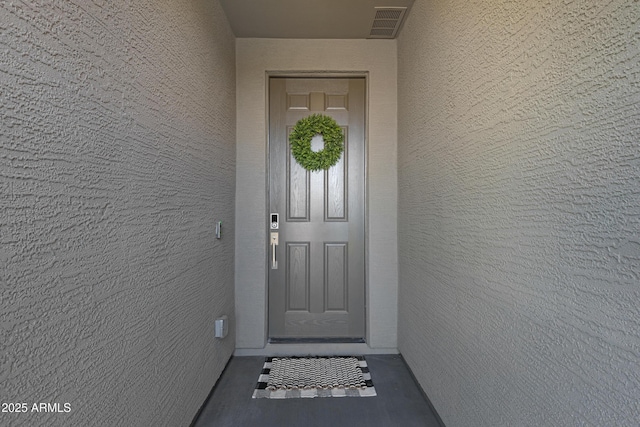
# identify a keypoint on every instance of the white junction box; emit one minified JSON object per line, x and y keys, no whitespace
{"x":221,"y":327}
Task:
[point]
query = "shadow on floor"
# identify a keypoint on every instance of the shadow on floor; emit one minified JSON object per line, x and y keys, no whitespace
{"x":399,"y":401}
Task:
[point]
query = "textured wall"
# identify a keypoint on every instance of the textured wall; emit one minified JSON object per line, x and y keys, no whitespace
{"x":117,"y":154}
{"x":519,"y":210}
{"x":255,"y":58}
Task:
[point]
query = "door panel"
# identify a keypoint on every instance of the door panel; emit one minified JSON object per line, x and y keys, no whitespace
{"x":297,"y":188}
{"x":297,"y":281}
{"x":335,"y":195}
{"x":317,"y":289}
{"x":336,"y":275}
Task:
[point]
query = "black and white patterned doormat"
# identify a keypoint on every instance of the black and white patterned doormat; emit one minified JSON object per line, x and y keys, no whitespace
{"x":296,"y":377}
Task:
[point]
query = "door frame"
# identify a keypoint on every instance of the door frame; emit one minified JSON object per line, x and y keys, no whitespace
{"x":312,"y":75}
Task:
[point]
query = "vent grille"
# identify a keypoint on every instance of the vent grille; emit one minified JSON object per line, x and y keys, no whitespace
{"x":386,"y":22}
{"x":381,"y":33}
{"x":389,"y":13}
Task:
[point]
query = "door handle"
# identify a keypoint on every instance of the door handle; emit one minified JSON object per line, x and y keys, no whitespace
{"x":274,"y":250}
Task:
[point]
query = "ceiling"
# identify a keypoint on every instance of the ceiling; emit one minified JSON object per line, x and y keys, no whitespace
{"x":308,"y":19}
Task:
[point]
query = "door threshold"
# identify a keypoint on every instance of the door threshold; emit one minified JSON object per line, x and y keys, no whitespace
{"x":315,"y":340}
{"x":314,"y":349}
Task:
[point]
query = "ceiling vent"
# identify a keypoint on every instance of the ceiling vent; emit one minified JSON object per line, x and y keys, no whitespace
{"x":386,"y":22}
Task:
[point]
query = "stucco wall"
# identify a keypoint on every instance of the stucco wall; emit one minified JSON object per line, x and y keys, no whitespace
{"x":519,"y":210}
{"x":117,"y":155}
{"x":256,"y":57}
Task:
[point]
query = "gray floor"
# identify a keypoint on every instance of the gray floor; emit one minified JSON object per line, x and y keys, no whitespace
{"x":399,"y":402}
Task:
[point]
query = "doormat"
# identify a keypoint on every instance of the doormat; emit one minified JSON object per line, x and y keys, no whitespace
{"x":299,"y":377}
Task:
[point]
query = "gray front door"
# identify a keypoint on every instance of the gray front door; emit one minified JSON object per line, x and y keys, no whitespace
{"x":316,"y":280}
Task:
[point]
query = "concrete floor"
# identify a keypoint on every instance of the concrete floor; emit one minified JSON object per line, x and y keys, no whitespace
{"x":399,"y":402}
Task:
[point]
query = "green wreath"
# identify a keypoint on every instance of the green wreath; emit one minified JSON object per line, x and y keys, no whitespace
{"x":300,"y":140}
